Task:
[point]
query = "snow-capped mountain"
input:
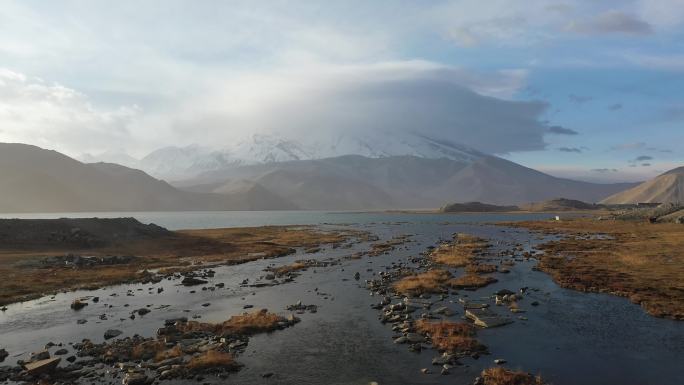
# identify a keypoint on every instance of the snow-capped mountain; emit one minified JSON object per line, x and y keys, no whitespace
{"x":177,"y":163}
{"x":174,"y":163}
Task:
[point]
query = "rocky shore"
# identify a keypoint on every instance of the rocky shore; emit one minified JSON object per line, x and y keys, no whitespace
{"x":181,"y":349}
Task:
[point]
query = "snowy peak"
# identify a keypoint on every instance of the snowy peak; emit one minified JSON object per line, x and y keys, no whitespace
{"x":184,"y":162}
{"x":176,"y":163}
{"x":270,"y":149}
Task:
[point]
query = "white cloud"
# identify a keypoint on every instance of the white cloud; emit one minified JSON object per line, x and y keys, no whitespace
{"x":54,"y":116}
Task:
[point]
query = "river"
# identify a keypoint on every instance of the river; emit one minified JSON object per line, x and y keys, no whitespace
{"x":570,"y":338}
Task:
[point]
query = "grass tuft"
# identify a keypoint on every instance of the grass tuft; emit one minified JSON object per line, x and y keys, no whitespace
{"x":213,"y":359}
{"x":245,"y":324}
{"x":432,"y":281}
{"x":471,"y":281}
{"x":502,"y":376}
{"x":452,"y":337}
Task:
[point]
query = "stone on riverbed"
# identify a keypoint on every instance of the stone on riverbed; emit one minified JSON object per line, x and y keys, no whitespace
{"x":40,"y":355}
{"x":486,"y":318}
{"x":472,"y":305}
{"x":135,"y":379}
{"x":78,"y":304}
{"x":111,"y":333}
{"x":192,"y":281}
{"x":42,"y":366}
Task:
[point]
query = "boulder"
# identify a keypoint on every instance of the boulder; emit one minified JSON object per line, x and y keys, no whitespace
{"x":3,"y":355}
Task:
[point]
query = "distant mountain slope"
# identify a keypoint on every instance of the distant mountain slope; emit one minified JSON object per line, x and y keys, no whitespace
{"x":665,"y":188}
{"x":37,"y":180}
{"x":356,"y":182}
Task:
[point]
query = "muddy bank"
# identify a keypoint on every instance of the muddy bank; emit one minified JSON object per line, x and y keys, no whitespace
{"x":181,"y":349}
{"x":635,"y":259}
{"x":38,"y":257}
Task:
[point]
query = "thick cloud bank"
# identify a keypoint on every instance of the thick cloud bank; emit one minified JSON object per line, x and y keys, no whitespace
{"x":441,"y":103}
{"x":315,"y":106}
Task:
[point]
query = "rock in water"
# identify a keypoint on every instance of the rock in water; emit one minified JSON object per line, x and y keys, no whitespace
{"x":111,"y":333}
{"x":143,"y":311}
{"x":192,"y":281}
{"x":78,"y":305}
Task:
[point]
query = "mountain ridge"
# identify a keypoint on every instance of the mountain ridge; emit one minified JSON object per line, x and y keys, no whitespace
{"x":402,"y":182}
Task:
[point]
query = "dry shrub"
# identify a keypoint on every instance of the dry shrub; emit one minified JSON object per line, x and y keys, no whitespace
{"x":469,"y":281}
{"x":453,"y":337}
{"x":213,"y":359}
{"x":501,"y":376}
{"x":432,"y":281}
{"x":245,"y":324}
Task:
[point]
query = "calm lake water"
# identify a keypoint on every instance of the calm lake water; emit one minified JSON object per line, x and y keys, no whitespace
{"x":570,"y":338}
{"x":220,"y":219}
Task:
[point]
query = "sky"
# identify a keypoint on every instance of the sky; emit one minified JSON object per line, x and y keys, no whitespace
{"x":585,"y":89}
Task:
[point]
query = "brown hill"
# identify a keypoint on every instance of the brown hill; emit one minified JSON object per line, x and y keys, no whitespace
{"x":560,"y":204}
{"x":665,"y":188}
{"x":33,"y":179}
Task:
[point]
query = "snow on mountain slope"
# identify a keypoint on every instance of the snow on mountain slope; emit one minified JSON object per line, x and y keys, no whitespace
{"x":182,"y":162}
{"x":177,"y":163}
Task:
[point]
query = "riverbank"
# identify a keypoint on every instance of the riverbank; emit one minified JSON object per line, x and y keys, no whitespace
{"x":51,"y":257}
{"x":635,"y":259}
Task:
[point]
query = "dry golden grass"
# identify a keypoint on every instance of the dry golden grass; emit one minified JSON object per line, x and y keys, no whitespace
{"x":173,"y":253}
{"x":432,"y":281}
{"x":245,"y":324}
{"x":166,"y":354}
{"x":148,"y":350}
{"x":380,"y":248}
{"x":213,"y":359}
{"x":453,"y":337}
{"x":480,"y":268}
{"x":643,"y":262}
{"x":460,"y":252}
{"x":470,"y":281}
{"x":502,"y":376}
{"x":287,"y":269}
